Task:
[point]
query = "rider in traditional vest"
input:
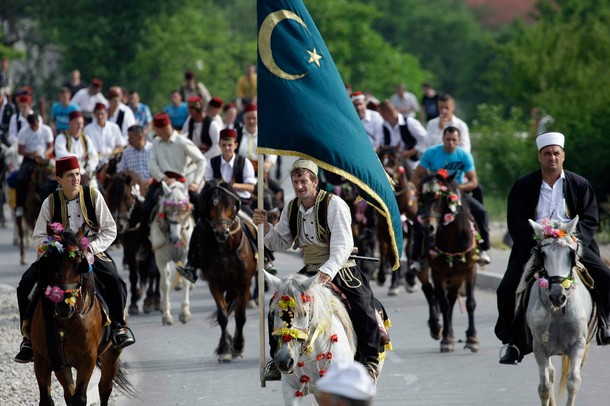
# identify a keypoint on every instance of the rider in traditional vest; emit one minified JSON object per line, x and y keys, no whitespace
{"x":557,"y":194}
{"x":320,"y":224}
{"x":72,"y":205}
{"x":236,"y":171}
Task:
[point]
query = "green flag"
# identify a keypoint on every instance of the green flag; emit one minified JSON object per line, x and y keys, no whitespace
{"x":304,"y":109}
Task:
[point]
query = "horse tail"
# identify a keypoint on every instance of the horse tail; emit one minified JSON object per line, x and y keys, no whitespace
{"x":120,"y":381}
{"x":565,"y":370}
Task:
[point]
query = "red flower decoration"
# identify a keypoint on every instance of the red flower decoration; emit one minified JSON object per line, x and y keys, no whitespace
{"x":304,"y":298}
{"x":161,"y":215}
{"x":329,"y":355}
{"x":305,"y":379}
{"x":299,"y":394}
{"x":286,"y":298}
{"x":287,"y":338}
{"x":334,"y":338}
{"x":322,"y":373}
{"x":300,"y":364}
{"x":321,"y":357}
{"x":443,"y":172}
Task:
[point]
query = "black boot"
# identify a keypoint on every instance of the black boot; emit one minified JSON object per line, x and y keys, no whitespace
{"x":603,"y":334}
{"x":271,"y":372}
{"x":511,"y":356}
{"x":122,"y":337}
{"x":188,"y":272}
{"x":26,"y":354}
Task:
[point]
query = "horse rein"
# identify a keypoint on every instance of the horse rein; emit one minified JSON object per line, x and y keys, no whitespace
{"x":230,"y":223}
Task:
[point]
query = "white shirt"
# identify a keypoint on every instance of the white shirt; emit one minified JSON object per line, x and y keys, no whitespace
{"x":86,"y":102}
{"x":171,"y":156}
{"x":407,"y":102}
{"x":226,"y":171}
{"x":417,"y":131}
{"x":435,"y":134}
{"x":373,"y":124}
{"x":98,"y":242}
{"x":552,"y":202}
{"x":12,"y":125}
{"x":105,"y":139}
{"x":339,"y":223}
{"x":35,"y":141}
{"x":129,"y":119}
{"x":77,"y":149}
{"x":248,"y":144}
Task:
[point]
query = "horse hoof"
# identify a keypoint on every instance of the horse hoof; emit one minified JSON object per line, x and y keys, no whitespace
{"x":167,"y":321}
{"x":381,"y":279}
{"x":224,"y":358}
{"x":393,"y":291}
{"x":252,"y":304}
{"x":178,"y":288}
{"x":133,"y":310}
{"x":436,"y":331}
{"x":238,"y":355}
{"x":447,"y":348}
{"x":472,"y":344}
{"x":185,"y":318}
{"x":23,"y":262}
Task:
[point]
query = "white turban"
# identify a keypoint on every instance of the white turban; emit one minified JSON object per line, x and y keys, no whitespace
{"x":546,"y":139}
{"x":305,"y":164}
{"x":347,"y":379}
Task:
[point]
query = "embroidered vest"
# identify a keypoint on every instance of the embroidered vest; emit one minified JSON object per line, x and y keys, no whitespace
{"x":205,"y":131}
{"x":295,"y":218}
{"x":86,"y":197}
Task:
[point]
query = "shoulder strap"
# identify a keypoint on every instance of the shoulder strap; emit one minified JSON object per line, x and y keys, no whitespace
{"x":58,"y":208}
{"x":406,"y":136}
{"x":323,"y":213}
{"x":238,"y":169}
{"x":205,"y":131}
{"x":240,"y":134}
{"x":386,"y":136}
{"x":87,"y":204}
{"x":119,"y":119}
{"x":191,"y":129}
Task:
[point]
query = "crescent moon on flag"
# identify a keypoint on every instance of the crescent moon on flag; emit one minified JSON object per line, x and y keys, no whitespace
{"x":264,"y":42}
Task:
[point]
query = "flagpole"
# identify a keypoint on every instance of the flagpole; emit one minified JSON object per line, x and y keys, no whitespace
{"x":260,"y":266}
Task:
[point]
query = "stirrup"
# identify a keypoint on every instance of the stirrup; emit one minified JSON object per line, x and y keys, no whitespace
{"x":129,"y":340}
{"x":507,"y":347}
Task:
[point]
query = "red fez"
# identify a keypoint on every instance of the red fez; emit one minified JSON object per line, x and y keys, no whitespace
{"x":250,"y":107}
{"x":216,"y":102}
{"x":99,"y":106}
{"x":189,"y":75}
{"x":112,"y":93}
{"x":24,"y":98}
{"x":74,"y":114}
{"x":96,"y":83}
{"x":357,"y":96}
{"x":161,"y":120}
{"x":229,"y":106}
{"x":66,"y":164}
{"x":194,"y":99}
{"x":228,"y":133}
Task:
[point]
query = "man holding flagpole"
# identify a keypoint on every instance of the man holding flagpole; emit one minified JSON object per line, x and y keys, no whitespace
{"x":319,"y":223}
{"x":297,"y":81}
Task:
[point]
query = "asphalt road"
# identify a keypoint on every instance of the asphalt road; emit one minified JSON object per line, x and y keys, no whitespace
{"x":175,"y":365}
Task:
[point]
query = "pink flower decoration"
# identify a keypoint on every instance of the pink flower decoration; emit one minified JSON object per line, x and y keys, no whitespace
{"x":85,"y":243}
{"x":401,"y":170}
{"x":420,"y":220}
{"x":543,"y":283}
{"x":448,"y":218}
{"x":453,"y":197}
{"x":432,"y":253}
{"x":56,"y":227}
{"x":54,"y":294}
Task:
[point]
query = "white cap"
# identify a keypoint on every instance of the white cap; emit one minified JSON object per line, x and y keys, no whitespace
{"x":305,"y":164}
{"x":347,"y":379}
{"x":546,"y":139}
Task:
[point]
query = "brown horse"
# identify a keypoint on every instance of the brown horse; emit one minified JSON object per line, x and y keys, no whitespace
{"x":451,"y":254}
{"x":40,"y":186}
{"x":227,"y":262}
{"x":124,"y":197}
{"x":67,"y":329}
{"x":407,"y":204}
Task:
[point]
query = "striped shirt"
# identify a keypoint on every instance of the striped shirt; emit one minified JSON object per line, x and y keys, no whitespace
{"x":136,"y":160}
{"x":341,"y":244}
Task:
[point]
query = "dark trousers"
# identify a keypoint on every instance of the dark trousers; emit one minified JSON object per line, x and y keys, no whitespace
{"x":362,"y":314}
{"x":23,"y":179}
{"x":107,"y":281}
{"x":506,"y":291}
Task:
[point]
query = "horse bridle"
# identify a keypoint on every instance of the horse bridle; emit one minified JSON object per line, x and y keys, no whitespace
{"x":542,"y":272}
{"x":228,"y":222}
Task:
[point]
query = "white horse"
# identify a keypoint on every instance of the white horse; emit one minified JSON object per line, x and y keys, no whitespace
{"x":559,"y":310}
{"x":170,"y":233}
{"x":313,"y":328}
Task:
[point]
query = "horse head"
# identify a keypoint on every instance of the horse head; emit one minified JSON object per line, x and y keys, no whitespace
{"x":440,"y":202}
{"x":554,"y":258}
{"x":122,"y":196}
{"x":220,"y":208}
{"x":63,"y":261}
{"x":174,"y":210}
{"x":390,"y":159}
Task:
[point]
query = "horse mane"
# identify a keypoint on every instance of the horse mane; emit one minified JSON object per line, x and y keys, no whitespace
{"x":208,"y":190}
{"x":52,"y":260}
{"x":463,"y":216}
{"x":323,"y":305}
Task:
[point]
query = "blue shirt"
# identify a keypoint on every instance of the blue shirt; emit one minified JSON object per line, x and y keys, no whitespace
{"x":61,"y":114}
{"x":143,"y":115}
{"x":459,"y":161}
{"x":177,"y":115}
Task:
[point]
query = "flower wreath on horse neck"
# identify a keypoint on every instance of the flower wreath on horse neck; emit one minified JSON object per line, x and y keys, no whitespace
{"x":287,"y":309}
{"x":55,"y":293}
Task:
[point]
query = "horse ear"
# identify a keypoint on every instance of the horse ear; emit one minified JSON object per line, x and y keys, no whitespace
{"x":273,"y":281}
{"x":310,"y":282}
{"x":538,"y":229}
{"x":570,"y":227}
